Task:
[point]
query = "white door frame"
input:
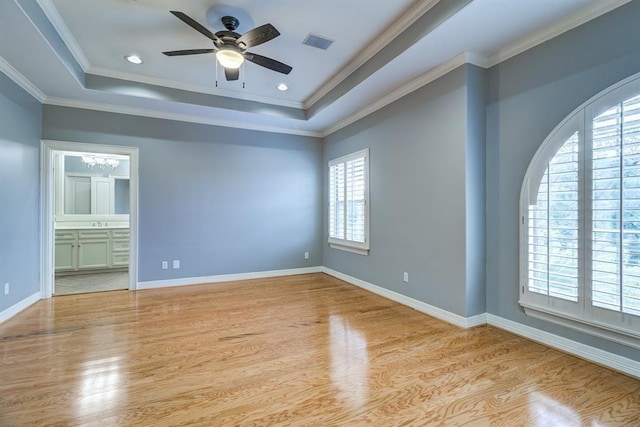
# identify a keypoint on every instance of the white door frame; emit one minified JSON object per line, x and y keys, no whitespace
{"x":47,"y":206}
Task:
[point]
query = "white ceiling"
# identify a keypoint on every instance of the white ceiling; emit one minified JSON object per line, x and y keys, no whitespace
{"x":73,"y":53}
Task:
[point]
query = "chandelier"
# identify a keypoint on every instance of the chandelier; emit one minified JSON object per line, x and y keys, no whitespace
{"x":102,"y":162}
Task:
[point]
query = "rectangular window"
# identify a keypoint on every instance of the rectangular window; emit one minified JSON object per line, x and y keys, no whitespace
{"x":349,"y":202}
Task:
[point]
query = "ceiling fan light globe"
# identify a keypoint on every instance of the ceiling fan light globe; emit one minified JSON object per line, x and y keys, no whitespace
{"x":229,"y":58}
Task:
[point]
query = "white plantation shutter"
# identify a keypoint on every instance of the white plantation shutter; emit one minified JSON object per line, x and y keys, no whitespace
{"x":580,"y":220}
{"x":615,"y":222}
{"x":336,"y":201}
{"x":553,"y":227}
{"x":356,"y":200}
{"x":348,"y":202}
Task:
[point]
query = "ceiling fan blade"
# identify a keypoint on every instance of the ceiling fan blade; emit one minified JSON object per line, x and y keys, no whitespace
{"x":269,"y":63}
{"x":196,"y":26}
{"x":258,"y":35}
{"x":188,"y":52}
{"x":232,"y":74}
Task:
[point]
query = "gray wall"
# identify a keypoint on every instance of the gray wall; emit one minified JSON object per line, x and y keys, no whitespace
{"x":475,"y":193}
{"x":419,"y":171}
{"x":528,"y":96}
{"x":220,"y":200}
{"x":20,"y":118}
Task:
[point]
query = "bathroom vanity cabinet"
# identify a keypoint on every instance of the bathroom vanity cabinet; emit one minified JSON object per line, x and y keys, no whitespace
{"x":85,"y":250}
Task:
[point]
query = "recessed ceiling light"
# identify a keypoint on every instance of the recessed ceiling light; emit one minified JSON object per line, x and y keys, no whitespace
{"x":134,"y":59}
{"x":282,"y":87}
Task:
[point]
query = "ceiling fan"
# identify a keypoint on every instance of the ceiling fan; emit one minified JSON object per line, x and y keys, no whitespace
{"x":231,"y":48}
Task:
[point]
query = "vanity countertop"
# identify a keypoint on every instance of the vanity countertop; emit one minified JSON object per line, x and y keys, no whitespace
{"x":89,"y":227}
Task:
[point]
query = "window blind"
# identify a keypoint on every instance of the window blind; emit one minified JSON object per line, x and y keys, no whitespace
{"x":616,"y":208}
{"x":553,"y":227}
{"x":348,"y":202}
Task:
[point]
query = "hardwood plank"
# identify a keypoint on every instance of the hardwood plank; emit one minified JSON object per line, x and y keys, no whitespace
{"x":299,"y":350}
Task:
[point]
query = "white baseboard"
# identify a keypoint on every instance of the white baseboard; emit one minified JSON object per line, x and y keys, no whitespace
{"x":447,"y":316}
{"x":19,"y":306}
{"x":592,"y":354}
{"x":226,"y":278}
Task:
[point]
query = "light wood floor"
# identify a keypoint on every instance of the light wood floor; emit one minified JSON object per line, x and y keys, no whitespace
{"x":300,"y":350}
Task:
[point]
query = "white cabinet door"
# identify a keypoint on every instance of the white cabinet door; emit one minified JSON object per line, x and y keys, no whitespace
{"x":65,"y":251}
{"x":93,"y":254}
{"x":102,"y":195}
{"x":94,"y":249}
{"x":77,"y":195}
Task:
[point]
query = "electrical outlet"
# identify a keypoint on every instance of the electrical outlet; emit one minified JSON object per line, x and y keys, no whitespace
{"x":306,"y":255}
{"x":165,"y":265}
{"x":176,"y":264}
{"x":405,"y":277}
{"x":6,"y":288}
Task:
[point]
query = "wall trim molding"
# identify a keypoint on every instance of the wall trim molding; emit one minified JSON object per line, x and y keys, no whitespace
{"x":187,"y":281}
{"x":393,"y":30}
{"x":411,"y":86}
{"x":438,"y":313}
{"x":19,"y":306}
{"x":21,"y":80}
{"x":154,"y":114}
{"x":547,"y":33}
{"x":58,"y":23}
{"x":583,"y":351}
{"x":171,"y":84}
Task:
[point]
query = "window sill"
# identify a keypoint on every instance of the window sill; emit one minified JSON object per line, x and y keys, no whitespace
{"x":601,"y":331}
{"x":355,"y":250}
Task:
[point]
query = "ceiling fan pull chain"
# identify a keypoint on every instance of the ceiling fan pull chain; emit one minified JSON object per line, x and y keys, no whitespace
{"x":244,"y":74}
{"x":216,"y":61}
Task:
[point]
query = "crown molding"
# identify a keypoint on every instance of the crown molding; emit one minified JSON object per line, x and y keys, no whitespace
{"x":411,"y":15}
{"x":138,"y":78}
{"x":58,"y":23}
{"x":525,"y":43}
{"x":415,"y":84}
{"x":21,"y":80}
{"x":547,"y":33}
{"x":143,"y":112}
{"x":406,"y":19}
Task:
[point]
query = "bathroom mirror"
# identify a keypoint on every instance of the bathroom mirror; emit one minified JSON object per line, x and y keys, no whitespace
{"x":91,"y":184}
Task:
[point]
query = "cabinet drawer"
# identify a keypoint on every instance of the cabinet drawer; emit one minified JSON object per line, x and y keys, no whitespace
{"x":65,"y":234}
{"x":119,"y":259}
{"x":120,"y":234}
{"x":120,"y":245}
{"x":93,"y":234}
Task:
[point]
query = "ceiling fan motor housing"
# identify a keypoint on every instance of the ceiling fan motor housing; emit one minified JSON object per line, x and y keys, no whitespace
{"x":230,"y":23}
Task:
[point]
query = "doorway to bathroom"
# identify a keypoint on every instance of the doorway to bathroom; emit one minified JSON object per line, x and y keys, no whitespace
{"x":90,"y":210}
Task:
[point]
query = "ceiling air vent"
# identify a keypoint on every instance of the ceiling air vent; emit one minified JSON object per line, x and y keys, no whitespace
{"x":317,"y":41}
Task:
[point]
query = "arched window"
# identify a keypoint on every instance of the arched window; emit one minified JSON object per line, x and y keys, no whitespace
{"x":580,"y":220}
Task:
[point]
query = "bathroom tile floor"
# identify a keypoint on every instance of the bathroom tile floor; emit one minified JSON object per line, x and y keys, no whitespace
{"x":98,"y":282}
